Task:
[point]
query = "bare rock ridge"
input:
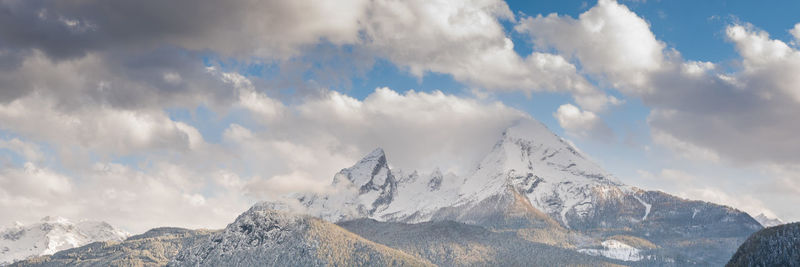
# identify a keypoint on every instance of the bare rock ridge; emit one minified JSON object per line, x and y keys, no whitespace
{"x":265,"y":237}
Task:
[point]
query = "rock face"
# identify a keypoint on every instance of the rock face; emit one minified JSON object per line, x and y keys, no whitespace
{"x":153,"y":248}
{"x":533,"y":179}
{"x":773,"y":246}
{"x":50,"y":235}
{"x":265,"y":237}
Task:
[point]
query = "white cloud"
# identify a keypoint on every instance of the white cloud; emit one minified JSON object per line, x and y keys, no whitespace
{"x":582,"y":123}
{"x":136,"y":200}
{"x":87,"y":95}
{"x":299,"y":148}
{"x":417,"y":130}
{"x":745,"y":116}
{"x":684,"y":149}
{"x":770,"y":65}
{"x":796,"y":33}
{"x":102,"y":130}
{"x":697,"y":109}
{"x":31,"y":186}
{"x":29,"y":151}
{"x":466,"y":39}
{"x":609,"y":40}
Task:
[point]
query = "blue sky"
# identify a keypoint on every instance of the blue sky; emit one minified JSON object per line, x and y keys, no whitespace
{"x":212,"y":112}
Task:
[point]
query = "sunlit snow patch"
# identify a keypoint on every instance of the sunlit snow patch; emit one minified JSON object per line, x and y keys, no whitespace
{"x":615,"y":250}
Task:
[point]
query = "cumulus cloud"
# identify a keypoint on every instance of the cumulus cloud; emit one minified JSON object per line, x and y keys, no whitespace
{"x":32,"y":186}
{"x":102,"y":130}
{"x":698,"y":109}
{"x":582,"y":123}
{"x":299,"y":148}
{"x":684,"y":149}
{"x":462,"y":38}
{"x":744,"y":116}
{"x":770,"y":66}
{"x":796,"y":33}
{"x":466,"y":39}
{"x":136,"y":200}
{"x":95,"y":80}
{"x":416,"y":129}
{"x":609,"y":40}
{"x":29,"y":151}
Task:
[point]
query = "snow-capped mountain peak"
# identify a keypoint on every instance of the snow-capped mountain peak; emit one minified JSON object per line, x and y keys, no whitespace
{"x":767,"y":221}
{"x":361,"y":190}
{"x":529,"y":146}
{"x":554,"y":176}
{"x":527,"y":158}
{"x":52,"y":234}
{"x":370,"y":173}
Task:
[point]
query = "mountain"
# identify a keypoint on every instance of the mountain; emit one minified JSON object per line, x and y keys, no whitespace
{"x":773,"y":246}
{"x":155,"y":247}
{"x":50,"y":235}
{"x":533,"y":181}
{"x":265,"y":237}
{"x":533,"y":200}
{"x":767,"y":221}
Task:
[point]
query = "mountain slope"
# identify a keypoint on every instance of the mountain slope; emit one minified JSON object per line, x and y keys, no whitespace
{"x":50,"y":235}
{"x":265,"y":237}
{"x":449,"y":243}
{"x":153,"y":248}
{"x":773,"y":246}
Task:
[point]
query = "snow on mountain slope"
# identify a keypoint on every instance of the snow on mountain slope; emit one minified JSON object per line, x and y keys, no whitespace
{"x":51,"y":235}
{"x":768,"y":221}
{"x":615,"y":250}
{"x":550,"y":172}
{"x":359,"y":191}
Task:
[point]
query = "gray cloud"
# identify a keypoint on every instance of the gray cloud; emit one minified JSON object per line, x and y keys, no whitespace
{"x":68,"y":29}
{"x":463,"y":39}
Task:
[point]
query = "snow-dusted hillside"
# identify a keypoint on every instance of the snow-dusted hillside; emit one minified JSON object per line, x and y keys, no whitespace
{"x":51,"y":235}
{"x":262,"y":236}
